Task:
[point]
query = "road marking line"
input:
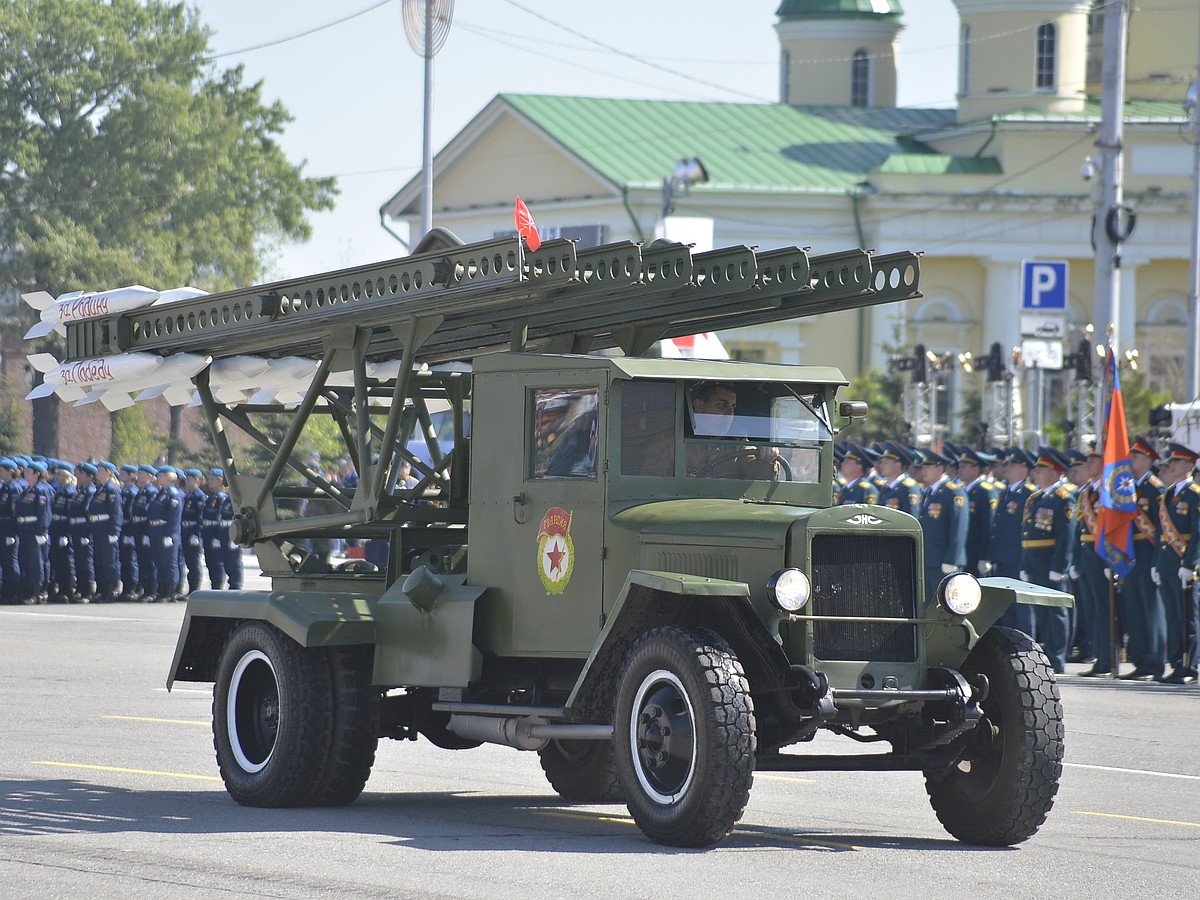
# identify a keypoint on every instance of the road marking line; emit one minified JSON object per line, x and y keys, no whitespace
{"x":1138,"y":819}
{"x":180,"y":690}
{"x":583,"y":817}
{"x":62,"y":765}
{"x":80,"y":617}
{"x":1131,"y":771}
{"x":622,"y":820}
{"x":767,"y":777}
{"x":204,"y":723}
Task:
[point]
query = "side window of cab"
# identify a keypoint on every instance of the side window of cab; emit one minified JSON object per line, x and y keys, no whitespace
{"x":565,"y":423}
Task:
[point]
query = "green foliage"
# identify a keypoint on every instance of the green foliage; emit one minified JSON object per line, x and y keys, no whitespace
{"x":970,"y":417}
{"x":11,"y":416}
{"x":883,"y":393}
{"x":1139,"y":400}
{"x":127,"y":158}
{"x":133,"y":440}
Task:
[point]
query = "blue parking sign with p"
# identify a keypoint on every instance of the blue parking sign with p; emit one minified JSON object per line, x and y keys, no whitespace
{"x":1043,"y":285}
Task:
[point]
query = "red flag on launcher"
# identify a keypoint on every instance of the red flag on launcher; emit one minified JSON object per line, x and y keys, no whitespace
{"x":525,"y":226}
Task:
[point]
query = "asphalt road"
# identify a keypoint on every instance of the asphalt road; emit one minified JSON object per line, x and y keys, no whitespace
{"x":108,"y":788}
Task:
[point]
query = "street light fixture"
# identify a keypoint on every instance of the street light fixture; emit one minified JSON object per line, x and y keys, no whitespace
{"x":687,"y":172}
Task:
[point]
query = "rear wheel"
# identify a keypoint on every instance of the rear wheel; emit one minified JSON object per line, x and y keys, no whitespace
{"x":1001,"y":791}
{"x":272,"y":717}
{"x":581,"y":771}
{"x":684,"y":736}
{"x":354,"y":735}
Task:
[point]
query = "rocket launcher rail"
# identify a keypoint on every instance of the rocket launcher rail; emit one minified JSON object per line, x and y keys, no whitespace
{"x":445,"y":304}
{"x":479,"y":298}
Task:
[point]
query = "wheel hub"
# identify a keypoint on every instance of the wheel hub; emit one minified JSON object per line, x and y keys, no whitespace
{"x":663,"y":736}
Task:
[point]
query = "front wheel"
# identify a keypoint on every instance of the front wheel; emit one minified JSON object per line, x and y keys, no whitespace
{"x":272,"y":717}
{"x":684,"y":736}
{"x":1000,"y":792}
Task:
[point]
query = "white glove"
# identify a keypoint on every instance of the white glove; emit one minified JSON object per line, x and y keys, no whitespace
{"x":985,"y":567}
{"x":1056,"y":577}
{"x":1074,"y":574}
{"x":947,"y":568}
{"x":1154,"y":576}
{"x":1024,"y":575}
{"x":1108,"y":573}
{"x":1185,"y":577}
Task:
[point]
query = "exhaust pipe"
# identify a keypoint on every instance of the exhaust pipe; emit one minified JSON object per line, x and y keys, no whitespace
{"x":526,"y":733}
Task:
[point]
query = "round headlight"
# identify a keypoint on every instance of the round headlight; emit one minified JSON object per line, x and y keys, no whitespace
{"x":789,"y":590}
{"x":960,"y":593}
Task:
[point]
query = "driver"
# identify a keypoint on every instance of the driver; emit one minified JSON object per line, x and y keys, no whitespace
{"x":714,"y":404}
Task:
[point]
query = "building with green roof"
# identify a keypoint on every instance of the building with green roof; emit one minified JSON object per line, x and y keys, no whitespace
{"x":979,"y":188}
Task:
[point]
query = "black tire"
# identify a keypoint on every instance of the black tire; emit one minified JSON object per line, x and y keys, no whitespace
{"x":272,"y":717}
{"x":354,"y":735}
{"x":582,"y":771}
{"x":1002,"y":790}
{"x":684,"y":736}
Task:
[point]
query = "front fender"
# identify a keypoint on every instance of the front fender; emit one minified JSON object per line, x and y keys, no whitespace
{"x":951,"y":638}
{"x":649,"y":599}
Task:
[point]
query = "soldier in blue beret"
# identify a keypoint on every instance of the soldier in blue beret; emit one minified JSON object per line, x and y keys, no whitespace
{"x":1177,"y":560}
{"x":33,"y":533}
{"x":10,"y":566}
{"x":943,"y":521}
{"x":80,"y":533}
{"x":105,"y":517}
{"x":858,"y":488}
{"x":164,"y":514}
{"x":62,"y":558}
{"x":214,"y":536}
{"x":191,"y":524}
{"x":147,"y":558}
{"x":130,"y":576}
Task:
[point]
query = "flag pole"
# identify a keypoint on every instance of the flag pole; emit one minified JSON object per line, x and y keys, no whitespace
{"x":1114,"y":626}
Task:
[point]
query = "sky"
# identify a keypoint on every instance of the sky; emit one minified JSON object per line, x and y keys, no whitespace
{"x":355,"y":89}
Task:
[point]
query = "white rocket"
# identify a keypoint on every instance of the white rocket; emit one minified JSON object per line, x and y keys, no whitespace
{"x":76,"y":306}
{"x":111,"y":380}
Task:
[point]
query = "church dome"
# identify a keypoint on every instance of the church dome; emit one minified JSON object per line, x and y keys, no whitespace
{"x":839,"y":9}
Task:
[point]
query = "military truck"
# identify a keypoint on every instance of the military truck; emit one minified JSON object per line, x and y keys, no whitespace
{"x":629,"y":565}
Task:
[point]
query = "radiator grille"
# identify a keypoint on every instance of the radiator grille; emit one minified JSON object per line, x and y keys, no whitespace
{"x":864,"y":575}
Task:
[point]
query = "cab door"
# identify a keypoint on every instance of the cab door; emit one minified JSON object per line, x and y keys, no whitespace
{"x":544,"y":533}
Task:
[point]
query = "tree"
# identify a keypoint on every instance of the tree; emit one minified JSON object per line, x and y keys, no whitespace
{"x":11,"y":415}
{"x":128,"y":157}
{"x":883,"y":393}
{"x":133,"y":440}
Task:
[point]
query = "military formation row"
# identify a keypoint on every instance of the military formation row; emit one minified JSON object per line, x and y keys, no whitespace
{"x":96,"y":532}
{"x":1034,"y":517}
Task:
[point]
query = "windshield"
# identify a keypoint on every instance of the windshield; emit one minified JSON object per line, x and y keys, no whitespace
{"x":731,"y":430}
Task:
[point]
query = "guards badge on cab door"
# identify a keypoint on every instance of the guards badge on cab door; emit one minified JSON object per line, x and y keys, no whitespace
{"x":556,"y":551}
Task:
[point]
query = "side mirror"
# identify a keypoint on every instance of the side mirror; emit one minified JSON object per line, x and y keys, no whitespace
{"x":852,"y":409}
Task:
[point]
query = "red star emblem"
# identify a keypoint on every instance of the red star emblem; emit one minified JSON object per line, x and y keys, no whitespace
{"x":555,"y":556}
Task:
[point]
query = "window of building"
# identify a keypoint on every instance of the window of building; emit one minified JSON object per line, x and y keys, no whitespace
{"x":964,"y":61}
{"x":565,"y":432}
{"x":1047,"y":39}
{"x":648,"y":429}
{"x":860,"y":79}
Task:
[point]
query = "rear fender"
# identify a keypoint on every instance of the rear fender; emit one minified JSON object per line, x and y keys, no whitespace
{"x":310,"y":619}
{"x":649,"y":599}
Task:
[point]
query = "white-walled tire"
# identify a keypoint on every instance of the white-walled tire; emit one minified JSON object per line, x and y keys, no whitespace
{"x":272,"y":717}
{"x":684,"y":736}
